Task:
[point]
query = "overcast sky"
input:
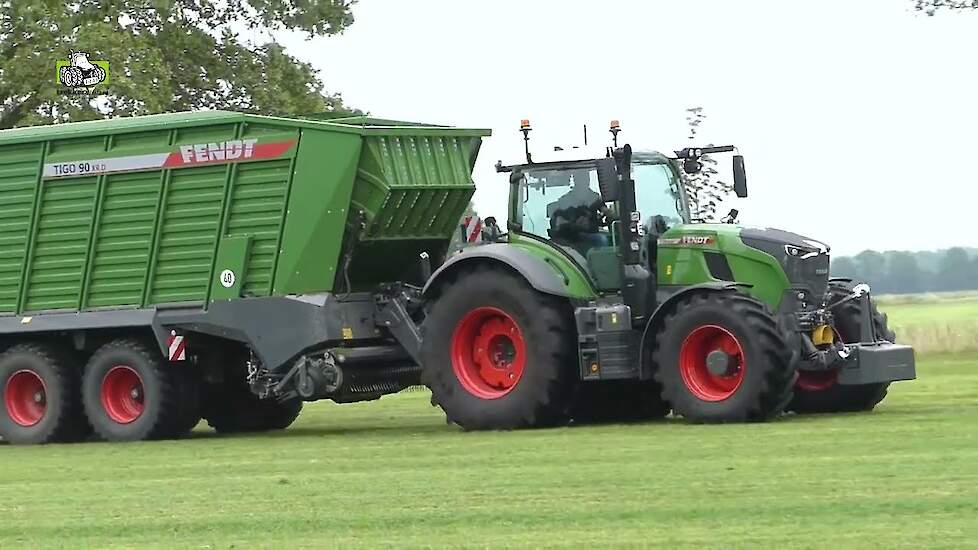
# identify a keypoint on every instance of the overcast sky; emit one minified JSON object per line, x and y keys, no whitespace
{"x":858,"y":120}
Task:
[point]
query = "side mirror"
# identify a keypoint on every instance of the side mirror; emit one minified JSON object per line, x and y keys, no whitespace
{"x":740,"y":176}
{"x":692,"y":166}
{"x":608,"y":180}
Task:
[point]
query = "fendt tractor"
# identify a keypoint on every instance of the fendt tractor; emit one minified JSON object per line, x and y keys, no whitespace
{"x":162,"y":269}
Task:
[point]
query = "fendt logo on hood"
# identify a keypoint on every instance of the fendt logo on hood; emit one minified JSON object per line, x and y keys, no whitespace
{"x":688,"y":240}
{"x":701,"y":240}
{"x":231,"y":149}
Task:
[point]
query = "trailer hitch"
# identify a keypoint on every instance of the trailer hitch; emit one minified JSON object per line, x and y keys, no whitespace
{"x":396,"y":305}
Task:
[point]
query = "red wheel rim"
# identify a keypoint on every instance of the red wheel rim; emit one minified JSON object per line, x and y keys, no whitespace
{"x":488,"y":352}
{"x":816,"y":380}
{"x":122,"y":394}
{"x":697,"y":346}
{"x":25,"y":396}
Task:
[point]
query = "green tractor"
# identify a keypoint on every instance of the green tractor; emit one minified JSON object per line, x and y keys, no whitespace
{"x":606,"y":301}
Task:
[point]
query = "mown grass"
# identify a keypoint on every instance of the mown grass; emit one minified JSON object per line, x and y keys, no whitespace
{"x":393,"y":474}
{"x":934,"y":322}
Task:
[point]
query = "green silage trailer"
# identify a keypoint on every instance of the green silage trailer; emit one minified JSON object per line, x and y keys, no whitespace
{"x":157,"y":269}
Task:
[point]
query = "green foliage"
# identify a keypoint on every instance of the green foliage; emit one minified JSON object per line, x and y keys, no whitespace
{"x":909,"y":272}
{"x":163,"y":56}
{"x":704,"y":189}
{"x":392,"y":474}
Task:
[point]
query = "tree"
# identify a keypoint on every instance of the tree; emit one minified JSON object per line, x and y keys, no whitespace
{"x":955,"y":272}
{"x":845,"y":267}
{"x":704,"y":190}
{"x":164,"y":55}
{"x":871,"y":265}
{"x":930,"y":7}
{"x":904,"y":274}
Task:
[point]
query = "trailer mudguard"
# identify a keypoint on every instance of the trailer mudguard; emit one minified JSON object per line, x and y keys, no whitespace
{"x":666,"y":296}
{"x":536,"y":271}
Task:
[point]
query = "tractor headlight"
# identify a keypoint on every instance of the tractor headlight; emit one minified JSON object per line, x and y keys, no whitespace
{"x":798,"y":252}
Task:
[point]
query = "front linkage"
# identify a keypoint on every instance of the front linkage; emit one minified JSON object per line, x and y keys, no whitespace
{"x":849,"y":354}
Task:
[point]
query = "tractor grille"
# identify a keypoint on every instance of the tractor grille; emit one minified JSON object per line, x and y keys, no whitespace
{"x":812,"y":273}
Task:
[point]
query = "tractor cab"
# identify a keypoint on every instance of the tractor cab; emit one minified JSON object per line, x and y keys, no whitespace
{"x":561,"y":202}
{"x":605,"y":210}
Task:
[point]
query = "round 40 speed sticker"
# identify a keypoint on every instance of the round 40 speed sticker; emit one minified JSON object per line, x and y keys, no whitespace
{"x":227,"y":278}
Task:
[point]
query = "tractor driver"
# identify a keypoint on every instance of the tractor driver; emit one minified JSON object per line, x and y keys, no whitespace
{"x":577,"y":215}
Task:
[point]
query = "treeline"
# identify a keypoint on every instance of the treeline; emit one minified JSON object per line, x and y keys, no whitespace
{"x":909,"y":272}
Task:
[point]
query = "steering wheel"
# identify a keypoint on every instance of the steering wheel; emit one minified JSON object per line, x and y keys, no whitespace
{"x":575,"y":220}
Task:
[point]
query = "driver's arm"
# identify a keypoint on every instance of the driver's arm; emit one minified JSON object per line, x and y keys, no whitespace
{"x":602,"y":207}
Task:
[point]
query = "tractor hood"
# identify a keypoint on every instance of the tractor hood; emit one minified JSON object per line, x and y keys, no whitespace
{"x":805,"y":261}
{"x":774,"y":263}
{"x":783,"y":238}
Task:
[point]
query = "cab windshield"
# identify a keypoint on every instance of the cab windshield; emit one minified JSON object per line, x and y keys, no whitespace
{"x":565,"y":204}
{"x":658,"y":193}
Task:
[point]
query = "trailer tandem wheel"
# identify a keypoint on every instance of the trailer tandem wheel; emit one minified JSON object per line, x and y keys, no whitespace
{"x":130,"y":393}
{"x":40,"y":395}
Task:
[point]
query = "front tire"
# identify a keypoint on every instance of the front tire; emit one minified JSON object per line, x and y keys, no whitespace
{"x":724,"y":357}
{"x":818,"y":391}
{"x":497,"y":354}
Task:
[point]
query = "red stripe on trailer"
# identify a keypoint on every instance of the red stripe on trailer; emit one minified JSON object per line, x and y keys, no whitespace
{"x":177,"y":347}
{"x":473,"y":228}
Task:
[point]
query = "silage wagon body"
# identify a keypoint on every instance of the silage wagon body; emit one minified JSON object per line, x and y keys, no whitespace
{"x":282,"y":235}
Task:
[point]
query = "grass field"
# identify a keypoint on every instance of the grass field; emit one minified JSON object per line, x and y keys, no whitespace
{"x":944,"y":322}
{"x":393,"y":474}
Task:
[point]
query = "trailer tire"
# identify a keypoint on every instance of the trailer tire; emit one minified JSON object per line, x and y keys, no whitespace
{"x":618,"y":401}
{"x":131,"y":394}
{"x":232,"y":408}
{"x":750,"y":344}
{"x":819,"y":392}
{"x":40,"y":396}
{"x":496,"y":353}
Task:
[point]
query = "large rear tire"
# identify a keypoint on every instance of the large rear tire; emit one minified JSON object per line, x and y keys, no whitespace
{"x":40,"y":396}
{"x":819,"y":392}
{"x":724,"y":357}
{"x":130,"y":393}
{"x":497,"y":354}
